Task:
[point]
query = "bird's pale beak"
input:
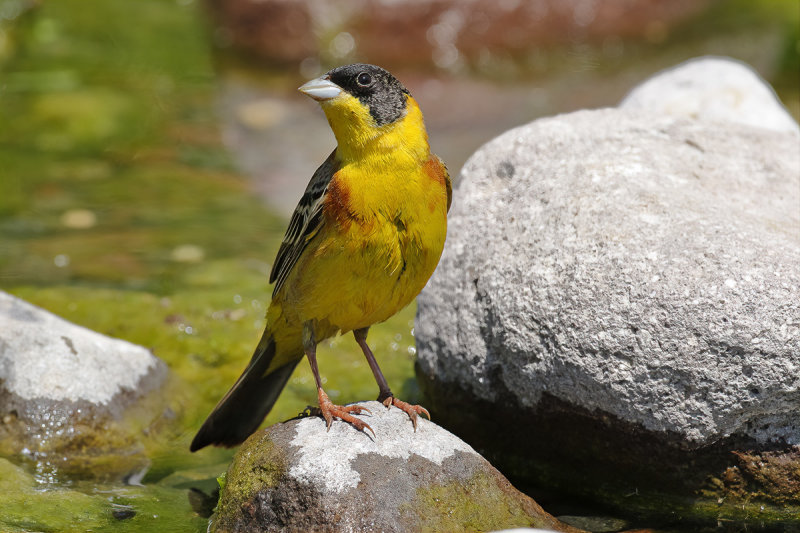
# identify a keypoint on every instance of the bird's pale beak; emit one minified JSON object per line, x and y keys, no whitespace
{"x":320,"y":89}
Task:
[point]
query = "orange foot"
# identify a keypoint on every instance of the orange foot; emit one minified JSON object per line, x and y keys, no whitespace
{"x":411,"y":410}
{"x":330,"y":410}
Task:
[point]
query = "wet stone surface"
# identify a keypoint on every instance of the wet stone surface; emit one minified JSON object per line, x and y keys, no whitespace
{"x":73,"y":401}
{"x":297,"y":476}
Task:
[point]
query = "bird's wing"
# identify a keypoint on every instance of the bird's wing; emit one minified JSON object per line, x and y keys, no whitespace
{"x":448,"y":184}
{"x":306,"y":221}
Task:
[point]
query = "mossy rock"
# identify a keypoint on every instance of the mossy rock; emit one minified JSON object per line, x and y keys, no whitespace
{"x":296,"y":476}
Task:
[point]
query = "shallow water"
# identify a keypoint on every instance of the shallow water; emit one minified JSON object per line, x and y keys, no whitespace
{"x":127,"y":165}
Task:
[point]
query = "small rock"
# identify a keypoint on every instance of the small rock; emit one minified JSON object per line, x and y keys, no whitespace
{"x":67,"y":394}
{"x":123,"y":512}
{"x":618,"y":304}
{"x":297,"y":476}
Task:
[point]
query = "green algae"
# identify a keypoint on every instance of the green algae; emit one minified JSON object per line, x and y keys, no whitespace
{"x":27,"y":506}
{"x":258,"y":467}
{"x":24,"y":507}
{"x":465,"y":507}
{"x":118,"y":140}
{"x":701,"y":511}
{"x":222,"y":480}
{"x":477,"y":504}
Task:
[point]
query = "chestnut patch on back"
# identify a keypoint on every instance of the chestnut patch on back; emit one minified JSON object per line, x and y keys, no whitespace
{"x":437,"y":172}
{"x":337,"y":203}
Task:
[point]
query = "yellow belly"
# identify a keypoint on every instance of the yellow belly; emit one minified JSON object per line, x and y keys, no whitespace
{"x":366,"y":274}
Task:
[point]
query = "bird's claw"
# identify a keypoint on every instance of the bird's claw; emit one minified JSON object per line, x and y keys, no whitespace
{"x":329,"y":411}
{"x":411,"y":410}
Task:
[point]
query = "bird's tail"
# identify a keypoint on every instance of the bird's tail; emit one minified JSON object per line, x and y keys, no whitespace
{"x":239,"y":413}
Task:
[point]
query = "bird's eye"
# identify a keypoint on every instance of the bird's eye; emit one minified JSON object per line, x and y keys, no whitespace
{"x":364,"y":79}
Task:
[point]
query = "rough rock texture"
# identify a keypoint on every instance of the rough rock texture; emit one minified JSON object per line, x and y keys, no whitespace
{"x":647,"y":267}
{"x":297,"y":476}
{"x":73,"y":400}
{"x":713,"y":88}
{"x":619,"y":304}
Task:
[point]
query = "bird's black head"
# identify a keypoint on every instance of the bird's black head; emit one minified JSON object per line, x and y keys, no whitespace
{"x":375,"y":88}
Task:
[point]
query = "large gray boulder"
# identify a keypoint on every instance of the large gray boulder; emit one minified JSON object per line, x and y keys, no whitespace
{"x":73,"y":400}
{"x":619,"y":305}
{"x":296,"y":476}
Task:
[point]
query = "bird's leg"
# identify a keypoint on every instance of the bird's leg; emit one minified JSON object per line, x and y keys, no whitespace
{"x":329,"y":409}
{"x":385,"y":395}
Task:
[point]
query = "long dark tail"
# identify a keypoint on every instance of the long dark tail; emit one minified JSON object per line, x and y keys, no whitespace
{"x":239,"y":413}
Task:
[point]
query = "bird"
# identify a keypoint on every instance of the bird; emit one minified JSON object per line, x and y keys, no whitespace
{"x":367,"y":234}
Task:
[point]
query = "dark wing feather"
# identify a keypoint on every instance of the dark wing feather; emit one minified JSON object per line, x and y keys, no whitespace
{"x":304,"y":224}
{"x":448,"y":184}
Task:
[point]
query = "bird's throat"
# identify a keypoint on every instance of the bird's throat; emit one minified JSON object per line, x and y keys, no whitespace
{"x":358,"y":137}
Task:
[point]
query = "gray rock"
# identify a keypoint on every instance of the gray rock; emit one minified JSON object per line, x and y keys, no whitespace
{"x":651,"y":273}
{"x":71,"y":398}
{"x":626,"y":284}
{"x":297,"y":476}
{"x":713,"y":88}
{"x":44,"y":356}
